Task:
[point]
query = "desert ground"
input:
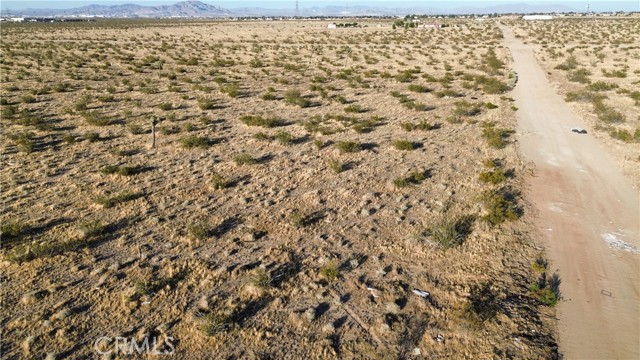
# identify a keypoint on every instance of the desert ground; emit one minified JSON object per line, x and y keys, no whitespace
{"x":312,"y":193}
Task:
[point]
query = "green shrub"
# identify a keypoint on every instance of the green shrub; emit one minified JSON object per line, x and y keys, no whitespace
{"x":348,"y":146}
{"x":451,"y":231}
{"x":109,"y":202}
{"x":336,"y":165}
{"x":11,"y":230}
{"x":244,"y":159}
{"x":622,"y":135}
{"x":601,"y":86}
{"x":464,"y":108}
{"x":418,"y":88}
{"x":215,"y":323}
{"x":218,"y":182}
{"x":256,"y":120}
{"x":354,"y":108}
{"x":206,"y":104}
{"x":499,"y":206}
{"x":232,"y":90}
{"x":119,"y":170}
{"x":284,"y":137}
{"x":198,"y":230}
{"x":493,"y":177}
{"x":192,"y":141}
{"x":96,"y":119}
{"x":330,"y":271}
{"x":405,"y":145}
{"x":294,"y":97}
{"x":580,"y":76}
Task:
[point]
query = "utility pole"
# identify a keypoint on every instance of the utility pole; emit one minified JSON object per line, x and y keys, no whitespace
{"x":297,"y":14}
{"x":588,"y":8}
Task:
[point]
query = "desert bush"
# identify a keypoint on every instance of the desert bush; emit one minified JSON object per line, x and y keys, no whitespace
{"x":330,"y":271}
{"x":404,"y":145}
{"x":464,"y":108}
{"x":193,"y":141}
{"x":580,"y":76}
{"x":232,"y":90}
{"x":336,"y":166}
{"x":294,"y":97}
{"x":491,"y":85}
{"x":169,"y":129}
{"x":198,"y":230}
{"x":354,"y":108}
{"x":499,"y":205}
{"x":348,"y":146}
{"x":119,"y":170}
{"x":546,"y":290}
{"x":284,"y":137}
{"x":260,"y":279}
{"x":257,"y":120}
{"x":91,"y":137}
{"x":608,"y":114}
{"x":136,"y":129}
{"x":109,"y":202}
{"x":206,"y":104}
{"x":451,"y":231}
{"x":601,"y":86}
{"x":418,"y":88}
{"x":583,"y":96}
{"x":245,"y":159}
{"x":219,"y":182}
{"x":495,"y":176}
{"x":96,"y":119}
{"x":215,"y":323}
{"x":12,"y":230}
{"x":622,"y":135}
{"x":569,"y":64}
{"x":23,"y":141}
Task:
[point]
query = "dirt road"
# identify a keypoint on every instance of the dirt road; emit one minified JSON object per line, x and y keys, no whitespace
{"x":589,"y":217}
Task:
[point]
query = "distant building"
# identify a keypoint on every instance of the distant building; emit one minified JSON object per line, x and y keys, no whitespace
{"x":537,"y":17}
{"x":332,"y":26}
{"x":17,"y":19}
{"x":433,"y":25}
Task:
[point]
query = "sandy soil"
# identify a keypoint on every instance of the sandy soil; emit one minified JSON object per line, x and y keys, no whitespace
{"x":292,"y":258}
{"x":588,"y":216}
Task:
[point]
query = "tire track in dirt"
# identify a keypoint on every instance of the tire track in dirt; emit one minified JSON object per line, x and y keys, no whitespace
{"x":588,"y":217}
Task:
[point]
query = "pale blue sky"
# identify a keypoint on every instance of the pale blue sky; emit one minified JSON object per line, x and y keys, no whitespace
{"x":596,"y":5}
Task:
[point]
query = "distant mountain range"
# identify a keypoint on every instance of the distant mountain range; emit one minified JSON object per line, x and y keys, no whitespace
{"x":198,"y":9}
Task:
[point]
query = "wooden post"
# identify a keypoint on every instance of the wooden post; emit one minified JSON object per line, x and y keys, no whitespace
{"x":154,"y":121}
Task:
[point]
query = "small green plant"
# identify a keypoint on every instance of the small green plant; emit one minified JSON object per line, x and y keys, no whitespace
{"x":336,"y":166}
{"x":499,"y":206}
{"x":11,"y":230}
{"x":206,"y":104}
{"x":91,"y":229}
{"x":215,"y":323}
{"x":348,"y":146}
{"x":622,"y":135}
{"x":261,"y":279}
{"x":119,"y":170}
{"x":96,"y":119}
{"x":451,"y":231}
{"x":218,"y":182}
{"x":284,"y":137}
{"x":540,"y":265}
{"x":354,"y":108}
{"x":400,"y":182}
{"x":256,"y":120}
{"x":245,"y":159}
{"x":404,"y":145}
{"x":418,"y":88}
{"x":294,"y":97}
{"x":330,"y":271}
{"x":136,"y":129}
{"x":232,"y":90}
{"x":495,"y":176}
{"x":193,"y":141}
{"x":92,"y":136}
{"x":109,"y":202}
{"x":546,"y":290}
{"x":198,"y":230}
